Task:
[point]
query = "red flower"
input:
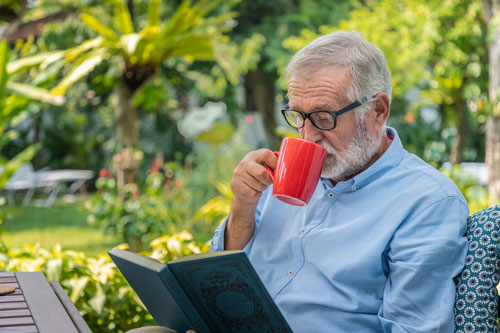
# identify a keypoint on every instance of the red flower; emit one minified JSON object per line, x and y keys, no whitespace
{"x":103,"y":173}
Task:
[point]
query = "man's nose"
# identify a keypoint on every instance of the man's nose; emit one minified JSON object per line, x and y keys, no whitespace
{"x":310,"y":132}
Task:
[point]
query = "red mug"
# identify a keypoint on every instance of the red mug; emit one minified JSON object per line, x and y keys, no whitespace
{"x":298,"y":170}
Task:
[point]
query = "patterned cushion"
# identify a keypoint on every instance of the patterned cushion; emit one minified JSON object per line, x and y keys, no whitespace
{"x":477,"y":297}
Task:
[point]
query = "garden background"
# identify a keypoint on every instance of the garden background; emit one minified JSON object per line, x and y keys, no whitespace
{"x":161,"y":99}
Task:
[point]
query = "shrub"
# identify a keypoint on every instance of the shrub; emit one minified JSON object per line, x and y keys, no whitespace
{"x":477,"y":196}
{"x":135,"y":215}
{"x":172,"y":197}
{"x":95,"y":285}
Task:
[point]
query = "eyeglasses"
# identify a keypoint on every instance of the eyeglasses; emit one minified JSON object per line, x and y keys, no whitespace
{"x":324,"y":120}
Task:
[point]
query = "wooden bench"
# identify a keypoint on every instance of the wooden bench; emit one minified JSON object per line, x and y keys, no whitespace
{"x":37,"y":306}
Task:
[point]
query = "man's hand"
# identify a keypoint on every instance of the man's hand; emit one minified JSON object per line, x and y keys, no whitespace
{"x":250,"y":179}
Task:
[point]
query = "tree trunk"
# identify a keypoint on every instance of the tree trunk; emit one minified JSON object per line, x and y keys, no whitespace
{"x":260,"y":93}
{"x":490,"y":10}
{"x":133,"y":240}
{"x":460,"y":110}
{"x":126,"y":115}
{"x":12,"y":17}
{"x":493,"y":157}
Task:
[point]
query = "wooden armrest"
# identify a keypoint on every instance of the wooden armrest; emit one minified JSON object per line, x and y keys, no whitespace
{"x":73,"y":313}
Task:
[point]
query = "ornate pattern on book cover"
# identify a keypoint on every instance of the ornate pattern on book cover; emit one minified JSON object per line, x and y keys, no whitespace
{"x":228,"y":290}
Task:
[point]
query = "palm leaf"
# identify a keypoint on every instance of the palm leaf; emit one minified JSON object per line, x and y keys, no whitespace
{"x":154,"y":13}
{"x":48,"y":74}
{"x":219,"y":21}
{"x":122,"y":19}
{"x":14,"y":105}
{"x":195,"y":47}
{"x":205,"y":6}
{"x":13,"y":164}
{"x":166,"y":45}
{"x":75,"y":52}
{"x":147,"y":44}
{"x":180,"y":21}
{"x":35,"y":93}
{"x":129,"y":43}
{"x":27,"y":62}
{"x":4,"y":59}
{"x":52,"y":59}
{"x":86,"y":64}
{"x":95,"y":24}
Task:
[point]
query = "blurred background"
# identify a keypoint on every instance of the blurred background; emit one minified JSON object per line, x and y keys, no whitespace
{"x":121,"y":121}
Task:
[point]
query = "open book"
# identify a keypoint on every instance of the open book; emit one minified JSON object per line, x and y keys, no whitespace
{"x":209,"y":292}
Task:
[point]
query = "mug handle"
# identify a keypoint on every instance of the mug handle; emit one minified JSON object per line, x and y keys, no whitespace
{"x":271,"y":171}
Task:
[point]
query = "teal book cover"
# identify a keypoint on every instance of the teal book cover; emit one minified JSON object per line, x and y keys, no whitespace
{"x":228,"y":293}
{"x":209,"y":292}
{"x":159,"y":291}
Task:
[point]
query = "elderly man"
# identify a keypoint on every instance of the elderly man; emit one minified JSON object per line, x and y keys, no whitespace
{"x":382,"y":238}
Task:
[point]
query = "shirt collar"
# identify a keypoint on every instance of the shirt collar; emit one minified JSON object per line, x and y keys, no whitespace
{"x":390,"y":159}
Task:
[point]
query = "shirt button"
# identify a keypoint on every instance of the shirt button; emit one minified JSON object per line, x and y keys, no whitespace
{"x":290,"y":272}
{"x":331,"y":195}
{"x":356,"y":188}
{"x":303,"y":231}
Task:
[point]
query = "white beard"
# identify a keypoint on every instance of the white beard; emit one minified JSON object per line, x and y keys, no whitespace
{"x":360,"y":151}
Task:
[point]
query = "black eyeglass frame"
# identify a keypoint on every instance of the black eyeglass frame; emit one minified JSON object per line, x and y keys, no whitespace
{"x":334,"y":114}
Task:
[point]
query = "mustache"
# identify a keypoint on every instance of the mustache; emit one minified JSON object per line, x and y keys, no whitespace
{"x":329,"y":148}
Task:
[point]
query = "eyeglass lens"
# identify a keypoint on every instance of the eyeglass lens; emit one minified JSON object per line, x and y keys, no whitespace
{"x":322,"y":120}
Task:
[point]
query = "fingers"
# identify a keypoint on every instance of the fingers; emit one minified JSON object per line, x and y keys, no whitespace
{"x":251,"y":177}
{"x":266,"y":157}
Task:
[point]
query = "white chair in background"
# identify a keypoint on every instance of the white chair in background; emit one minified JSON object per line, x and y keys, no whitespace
{"x":29,"y":180}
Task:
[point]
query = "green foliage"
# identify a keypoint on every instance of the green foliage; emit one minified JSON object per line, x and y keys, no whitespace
{"x":169,"y":247}
{"x":219,"y":207}
{"x":277,"y":20}
{"x":14,"y":99}
{"x":172,"y":198}
{"x":476,"y":195}
{"x":436,"y":53}
{"x":431,"y":34}
{"x":78,"y":135}
{"x":95,"y":285}
{"x":212,"y":81}
{"x":191,"y":33}
{"x":132,"y":215}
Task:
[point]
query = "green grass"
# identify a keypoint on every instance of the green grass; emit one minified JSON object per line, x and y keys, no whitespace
{"x":64,"y":224}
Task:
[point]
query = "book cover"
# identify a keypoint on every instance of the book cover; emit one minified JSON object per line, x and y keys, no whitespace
{"x":217,"y":292}
{"x":159,"y":291}
{"x":228,"y":293}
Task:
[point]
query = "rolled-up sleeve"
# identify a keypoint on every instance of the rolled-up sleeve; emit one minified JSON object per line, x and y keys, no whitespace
{"x":217,"y":243}
{"x":427,"y":251}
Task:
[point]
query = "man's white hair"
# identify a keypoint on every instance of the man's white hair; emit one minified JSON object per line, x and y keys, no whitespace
{"x":346,"y":49}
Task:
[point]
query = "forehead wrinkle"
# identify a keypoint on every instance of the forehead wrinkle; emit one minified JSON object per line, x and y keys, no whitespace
{"x":328,"y":85}
{"x":334,"y":100}
{"x":325,"y":89}
{"x":326,"y":79}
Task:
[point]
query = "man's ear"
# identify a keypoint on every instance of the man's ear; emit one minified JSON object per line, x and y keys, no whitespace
{"x":382,"y":105}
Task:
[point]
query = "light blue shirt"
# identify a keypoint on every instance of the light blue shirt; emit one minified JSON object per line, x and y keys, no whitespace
{"x":376,"y":253}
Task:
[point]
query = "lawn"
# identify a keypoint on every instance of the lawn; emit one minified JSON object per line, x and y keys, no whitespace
{"x":64,"y":224}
